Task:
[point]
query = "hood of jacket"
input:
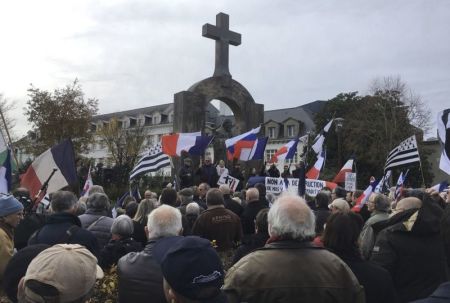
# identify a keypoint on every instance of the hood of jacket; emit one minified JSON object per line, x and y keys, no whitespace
{"x":63,"y":218}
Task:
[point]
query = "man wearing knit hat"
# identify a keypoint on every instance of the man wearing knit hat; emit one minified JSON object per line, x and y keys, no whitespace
{"x":11,"y":212}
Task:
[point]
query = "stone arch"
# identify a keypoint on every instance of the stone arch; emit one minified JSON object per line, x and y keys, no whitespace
{"x":190,"y":105}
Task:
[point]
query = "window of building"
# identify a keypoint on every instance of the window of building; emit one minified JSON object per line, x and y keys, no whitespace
{"x":133,"y":122}
{"x":148,"y":120}
{"x":93,"y":127}
{"x":269,"y":154}
{"x":272,"y":132}
{"x":290,"y":130}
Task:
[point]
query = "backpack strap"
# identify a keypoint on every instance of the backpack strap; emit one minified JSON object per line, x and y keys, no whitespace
{"x":95,"y":223}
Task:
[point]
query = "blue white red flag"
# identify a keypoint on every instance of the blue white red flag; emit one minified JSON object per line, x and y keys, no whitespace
{"x":286,"y":152}
{"x":240,"y":147}
{"x":440,"y":187}
{"x":60,"y":157}
{"x":347,"y":168}
{"x":399,"y":187}
{"x":320,"y":138}
{"x":192,"y":143}
{"x":314,"y":172}
{"x":87,"y":185}
{"x":364,"y":197}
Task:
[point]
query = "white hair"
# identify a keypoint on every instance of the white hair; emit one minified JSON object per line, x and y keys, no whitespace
{"x":291,"y":217}
{"x":193,"y":208}
{"x":165,"y":221}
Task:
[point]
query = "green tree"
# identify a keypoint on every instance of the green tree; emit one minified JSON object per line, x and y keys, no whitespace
{"x":62,"y":114}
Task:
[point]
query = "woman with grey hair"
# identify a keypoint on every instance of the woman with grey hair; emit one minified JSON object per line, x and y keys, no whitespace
{"x":145,"y":207}
{"x":121,"y":242}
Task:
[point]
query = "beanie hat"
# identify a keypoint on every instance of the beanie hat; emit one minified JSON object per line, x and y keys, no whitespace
{"x":9,"y":205}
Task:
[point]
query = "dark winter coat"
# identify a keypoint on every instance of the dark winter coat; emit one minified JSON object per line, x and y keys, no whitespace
{"x":64,"y":228}
{"x":139,"y":233}
{"x":140,"y":277}
{"x":186,"y":175}
{"x":440,"y":295}
{"x":99,"y":224}
{"x":232,"y":205}
{"x":208,"y":174}
{"x":116,"y":249}
{"x":377,"y":281}
{"x":292,"y":271}
{"x":411,"y":249}
{"x":249,"y":244}
{"x":322,"y":215}
{"x":249,"y":215}
{"x":237,"y":173}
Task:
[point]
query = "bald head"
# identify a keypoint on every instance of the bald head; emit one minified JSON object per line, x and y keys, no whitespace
{"x":291,"y":217}
{"x":252,"y":194}
{"x":408,"y":203}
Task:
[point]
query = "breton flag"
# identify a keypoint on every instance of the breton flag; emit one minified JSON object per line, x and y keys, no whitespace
{"x":59,"y":157}
{"x":399,"y":187}
{"x":381,"y":185}
{"x":406,"y":152}
{"x":286,"y":152}
{"x":87,"y":185}
{"x":246,"y":146}
{"x":153,"y":160}
{"x":364,"y":197}
{"x":314,"y":172}
{"x":347,"y":168}
{"x":443,"y":126}
{"x":320,"y":138}
{"x":192,"y":143}
{"x":440,"y":187}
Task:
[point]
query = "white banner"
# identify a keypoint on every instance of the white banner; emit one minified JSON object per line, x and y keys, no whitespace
{"x":313,"y":187}
{"x":350,"y":181}
{"x":278,"y":185}
{"x":227,"y":179}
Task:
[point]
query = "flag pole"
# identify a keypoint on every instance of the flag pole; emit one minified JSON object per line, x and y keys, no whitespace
{"x":420,"y":164}
{"x":9,"y":137}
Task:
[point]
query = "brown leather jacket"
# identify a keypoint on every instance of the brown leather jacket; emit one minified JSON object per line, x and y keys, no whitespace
{"x":292,"y":271}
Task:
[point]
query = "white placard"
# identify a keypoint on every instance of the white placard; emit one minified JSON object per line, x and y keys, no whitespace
{"x":350,"y":181}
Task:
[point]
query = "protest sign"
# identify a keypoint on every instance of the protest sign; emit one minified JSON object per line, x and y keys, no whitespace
{"x":350,"y":181}
{"x":227,"y":179}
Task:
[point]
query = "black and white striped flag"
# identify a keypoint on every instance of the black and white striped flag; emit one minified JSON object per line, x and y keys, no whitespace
{"x":153,"y":160}
{"x":405,"y":153}
{"x":443,"y":122}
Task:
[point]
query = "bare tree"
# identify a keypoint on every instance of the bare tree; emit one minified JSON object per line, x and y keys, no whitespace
{"x":6,"y":107}
{"x":405,"y":99}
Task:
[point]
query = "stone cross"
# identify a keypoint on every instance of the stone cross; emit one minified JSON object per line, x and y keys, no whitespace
{"x":223,"y":36}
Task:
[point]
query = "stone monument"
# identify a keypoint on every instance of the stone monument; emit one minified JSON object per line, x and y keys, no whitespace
{"x":190,"y":105}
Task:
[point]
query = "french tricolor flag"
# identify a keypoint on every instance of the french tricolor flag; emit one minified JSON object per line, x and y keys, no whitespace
{"x":87,"y":185}
{"x":59,"y":157}
{"x":241,"y":147}
{"x":314,"y":172}
{"x":440,"y":187}
{"x":364,"y":197}
{"x":347,"y":168}
{"x":287,"y":151}
{"x":192,"y":143}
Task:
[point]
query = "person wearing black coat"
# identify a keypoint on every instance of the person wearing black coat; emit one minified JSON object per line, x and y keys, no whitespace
{"x":186,"y":174}
{"x":229,"y":202}
{"x":273,"y":171}
{"x":254,"y":205}
{"x":412,"y":250}
{"x":255,"y":241}
{"x":120,"y":244}
{"x":321,"y":211}
{"x":237,"y":173}
{"x":208,"y":173}
{"x":63,"y":226}
{"x":341,"y":237}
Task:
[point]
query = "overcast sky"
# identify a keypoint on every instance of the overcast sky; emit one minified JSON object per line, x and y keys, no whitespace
{"x":132,"y":53}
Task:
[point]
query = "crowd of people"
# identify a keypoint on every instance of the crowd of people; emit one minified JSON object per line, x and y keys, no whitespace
{"x":206,"y":243}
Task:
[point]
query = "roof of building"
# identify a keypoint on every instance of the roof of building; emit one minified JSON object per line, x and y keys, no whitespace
{"x":298,"y":113}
